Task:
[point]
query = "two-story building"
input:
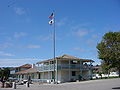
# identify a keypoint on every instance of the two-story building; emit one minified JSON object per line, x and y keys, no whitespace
{"x":18,"y":69}
{"x":61,"y":69}
{"x":65,"y":68}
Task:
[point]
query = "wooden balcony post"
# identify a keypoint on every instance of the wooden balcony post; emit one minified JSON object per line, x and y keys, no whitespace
{"x":56,"y":71}
{"x":49,"y":71}
{"x":90,"y":70}
{"x":81,"y":68}
{"x":69,"y":70}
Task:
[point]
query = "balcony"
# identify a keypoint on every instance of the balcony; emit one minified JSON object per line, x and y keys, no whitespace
{"x":43,"y":68}
{"x":74,"y":67}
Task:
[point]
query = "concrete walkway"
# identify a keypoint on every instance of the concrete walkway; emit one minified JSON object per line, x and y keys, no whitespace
{"x":104,"y":84}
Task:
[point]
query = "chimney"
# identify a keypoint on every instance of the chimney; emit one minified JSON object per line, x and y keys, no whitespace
{"x":33,"y":66}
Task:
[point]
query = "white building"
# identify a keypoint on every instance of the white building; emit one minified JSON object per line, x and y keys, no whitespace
{"x":61,"y":69}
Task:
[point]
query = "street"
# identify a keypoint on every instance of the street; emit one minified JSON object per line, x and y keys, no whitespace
{"x":104,"y":84}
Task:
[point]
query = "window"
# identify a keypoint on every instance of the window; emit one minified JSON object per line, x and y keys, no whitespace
{"x":73,"y":73}
{"x":74,"y":62}
{"x":52,"y":62}
{"x":22,"y":76}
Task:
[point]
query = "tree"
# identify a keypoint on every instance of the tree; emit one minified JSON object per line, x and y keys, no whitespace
{"x":109,"y":50}
{"x":106,"y":68}
{"x":5,"y":72}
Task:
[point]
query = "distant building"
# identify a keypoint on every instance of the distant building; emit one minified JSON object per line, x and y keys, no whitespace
{"x":18,"y":69}
{"x":97,"y":69}
{"x":65,"y":68}
{"x":98,"y":72}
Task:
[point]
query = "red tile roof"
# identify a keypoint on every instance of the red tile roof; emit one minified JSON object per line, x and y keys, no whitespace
{"x":24,"y":66}
{"x":31,"y":70}
{"x":67,"y":57}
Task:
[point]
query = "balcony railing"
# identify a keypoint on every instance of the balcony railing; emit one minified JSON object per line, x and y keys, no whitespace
{"x":76,"y":67}
{"x":73,"y":66}
{"x":46,"y":67}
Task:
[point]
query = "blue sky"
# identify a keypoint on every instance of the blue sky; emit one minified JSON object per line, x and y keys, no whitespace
{"x":26,"y":36}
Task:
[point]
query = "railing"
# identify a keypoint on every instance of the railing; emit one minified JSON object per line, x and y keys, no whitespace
{"x":76,"y":67}
{"x":46,"y":67}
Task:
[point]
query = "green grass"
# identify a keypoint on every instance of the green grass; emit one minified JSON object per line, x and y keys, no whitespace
{"x":110,"y":77}
{"x":107,"y":78}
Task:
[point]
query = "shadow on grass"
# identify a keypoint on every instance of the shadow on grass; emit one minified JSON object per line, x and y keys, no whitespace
{"x":116,"y":88}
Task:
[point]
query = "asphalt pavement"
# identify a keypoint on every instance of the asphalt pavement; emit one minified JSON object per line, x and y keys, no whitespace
{"x":103,"y":84}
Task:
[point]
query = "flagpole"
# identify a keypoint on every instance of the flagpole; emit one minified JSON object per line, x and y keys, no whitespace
{"x":54,"y":43}
{"x":52,"y":21}
{"x":54,"y":47}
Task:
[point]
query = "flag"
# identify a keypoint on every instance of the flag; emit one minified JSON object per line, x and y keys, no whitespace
{"x":51,"y":16}
{"x":51,"y":22}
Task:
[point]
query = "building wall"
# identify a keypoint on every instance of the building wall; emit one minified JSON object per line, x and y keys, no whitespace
{"x":76,"y":77}
{"x":59,"y":76}
{"x":64,"y":62}
{"x":85,"y":74}
{"x":27,"y":75}
{"x":64,"y":76}
{"x":67,"y":76}
{"x":44,"y":75}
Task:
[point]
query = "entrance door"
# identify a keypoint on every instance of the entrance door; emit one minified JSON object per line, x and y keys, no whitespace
{"x":39,"y":76}
{"x":53,"y":75}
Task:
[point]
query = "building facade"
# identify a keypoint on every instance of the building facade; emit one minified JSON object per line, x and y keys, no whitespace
{"x":61,"y":69}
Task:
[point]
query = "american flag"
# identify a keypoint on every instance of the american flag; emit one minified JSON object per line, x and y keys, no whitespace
{"x":51,"y":16}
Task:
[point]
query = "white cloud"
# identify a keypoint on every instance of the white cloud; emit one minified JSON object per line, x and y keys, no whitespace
{"x":81,"y":50}
{"x":19,"y":11}
{"x":9,"y":38}
{"x":61,"y":22}
{"x":47,"y":37}
{"x":79,"y":26}
{"x":91,"y":42}
{"x":20,"y":34}
{"x":81,"y":33}
{"x":5,"y":54}
{"x":33,"y":46}
{"x":95,"y":36}
{"x":76,"y":48}
{"x":80,"y":29}
{"x":17,"y":62}
{"x":6,"y":45}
